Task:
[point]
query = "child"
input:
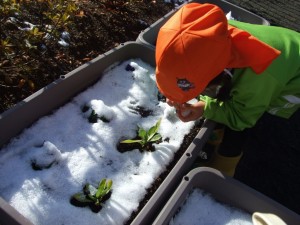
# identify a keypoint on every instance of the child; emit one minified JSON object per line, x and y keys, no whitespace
{"x":255,"y":71}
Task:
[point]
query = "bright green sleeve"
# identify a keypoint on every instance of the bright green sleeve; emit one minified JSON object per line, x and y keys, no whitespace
{"x":250,"y":97}
{"x":276,"y":90}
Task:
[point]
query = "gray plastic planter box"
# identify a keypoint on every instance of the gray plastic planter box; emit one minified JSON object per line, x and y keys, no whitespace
{"x":55,"y":95}
{"x":46,"y":100}
{"x":149,"y":35}
{"x":226,"y":190}
{"x":49,"y":98}
{"x":10,"y":216}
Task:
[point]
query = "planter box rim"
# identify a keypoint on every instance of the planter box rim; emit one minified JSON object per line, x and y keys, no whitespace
{"x":149,"y":35}
{"x":232,"y":192}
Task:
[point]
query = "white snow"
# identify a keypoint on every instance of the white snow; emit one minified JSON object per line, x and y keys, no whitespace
{"x":71,"y":151}
{"x":201,"y":208}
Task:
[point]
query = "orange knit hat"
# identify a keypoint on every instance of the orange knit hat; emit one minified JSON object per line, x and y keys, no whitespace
{"x":196,"y":44}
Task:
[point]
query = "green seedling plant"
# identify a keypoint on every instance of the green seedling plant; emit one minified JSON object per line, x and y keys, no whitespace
{"x":146,"y":137}
{"x":92,"y":196}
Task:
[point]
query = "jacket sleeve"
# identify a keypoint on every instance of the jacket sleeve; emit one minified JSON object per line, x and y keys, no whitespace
{"x":250,"y":97}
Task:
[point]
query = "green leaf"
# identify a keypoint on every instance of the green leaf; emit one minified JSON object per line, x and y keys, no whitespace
{"x":144,"y":140}
{"x":155,"y":138}
{"x":65,"y":17}
{"x":109,"y":184}
{"x":146,"y":136}
{"x":157,"y":125}
{"x":142,"y":133}
{"x":101,"y":188}
{"x":153,"y":130}
{"x":130,"y":141}
{"x":36,"y":31}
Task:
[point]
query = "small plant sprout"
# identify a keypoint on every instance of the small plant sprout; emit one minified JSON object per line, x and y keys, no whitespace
{"x":93,"y":197}
{"x":93,"y":116}
{"x":146,"y":137}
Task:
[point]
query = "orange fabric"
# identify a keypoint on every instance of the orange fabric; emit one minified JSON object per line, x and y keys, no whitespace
{"x":248,"y":51}
{"x":196,"y":44}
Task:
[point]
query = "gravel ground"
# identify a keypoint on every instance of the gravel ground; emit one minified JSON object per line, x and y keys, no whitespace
{"x":285,"y":13}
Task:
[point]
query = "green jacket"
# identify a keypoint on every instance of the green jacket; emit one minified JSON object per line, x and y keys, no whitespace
{"x":276,"y":90}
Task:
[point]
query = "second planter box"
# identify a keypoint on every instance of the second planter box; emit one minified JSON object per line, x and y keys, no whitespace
{"x":149,"y":35}
{"x":224,"y":190}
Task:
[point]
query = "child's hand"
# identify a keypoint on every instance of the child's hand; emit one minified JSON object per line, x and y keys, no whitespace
{"x":188,"y":112}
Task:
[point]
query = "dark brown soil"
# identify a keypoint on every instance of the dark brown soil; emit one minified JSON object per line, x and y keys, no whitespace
{"x":99,"y":25}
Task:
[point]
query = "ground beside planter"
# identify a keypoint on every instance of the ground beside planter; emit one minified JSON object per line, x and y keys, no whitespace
{"x":99,"y":25}
{"x":283,"y":13}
